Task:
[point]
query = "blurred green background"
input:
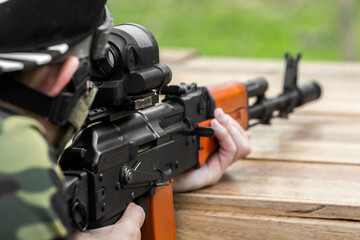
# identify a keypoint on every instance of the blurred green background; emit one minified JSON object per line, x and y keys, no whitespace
{"x":321,"y":29}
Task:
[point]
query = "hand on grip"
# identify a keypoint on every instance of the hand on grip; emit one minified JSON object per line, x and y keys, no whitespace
{"x":128,"y":227}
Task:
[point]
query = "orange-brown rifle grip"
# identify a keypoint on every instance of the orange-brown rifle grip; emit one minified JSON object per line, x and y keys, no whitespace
{"x":160,"y":221}
{"x":232,"y":98}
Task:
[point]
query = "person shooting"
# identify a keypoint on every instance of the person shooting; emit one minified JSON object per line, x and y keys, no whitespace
{"x":45,"y":50}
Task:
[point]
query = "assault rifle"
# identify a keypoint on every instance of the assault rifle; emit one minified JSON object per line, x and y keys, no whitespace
{"x":133,"y":147}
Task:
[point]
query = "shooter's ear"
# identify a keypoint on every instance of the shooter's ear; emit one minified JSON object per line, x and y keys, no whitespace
{"x":60,"y":75}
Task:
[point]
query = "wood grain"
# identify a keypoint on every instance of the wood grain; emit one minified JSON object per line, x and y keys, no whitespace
{"x":281,"y":188}
{"x":337,"y":78}
{"x":227,"y":226}
{"x":302,"y":180}
{"x":263,"y":66}
{"x":313,"y":138}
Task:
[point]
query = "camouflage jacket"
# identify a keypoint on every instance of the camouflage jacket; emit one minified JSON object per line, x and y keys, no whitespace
{"x":32,"y":204}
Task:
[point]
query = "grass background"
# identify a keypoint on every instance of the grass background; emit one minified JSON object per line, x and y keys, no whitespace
{"x":243,"y":28}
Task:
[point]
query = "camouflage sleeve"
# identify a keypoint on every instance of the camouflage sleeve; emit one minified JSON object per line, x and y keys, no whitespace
{"x":32,"y":204}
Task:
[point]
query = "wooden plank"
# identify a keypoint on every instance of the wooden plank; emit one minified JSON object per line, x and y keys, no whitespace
{"x":302,"y":180}
{"x":263,"y":66}
{"x":277,"y":188}
{"x":226,"y":226}
{"x":340,"y":82}
{"x":311,"y":138}
{"x":338,"y":95}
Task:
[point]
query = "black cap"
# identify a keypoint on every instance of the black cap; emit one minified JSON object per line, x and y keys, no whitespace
{"x":36,"y":32}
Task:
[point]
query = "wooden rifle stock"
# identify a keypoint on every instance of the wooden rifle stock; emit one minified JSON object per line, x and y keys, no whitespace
{"x":160,"y":220}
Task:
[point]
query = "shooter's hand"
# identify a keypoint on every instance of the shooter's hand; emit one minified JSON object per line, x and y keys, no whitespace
{"x":234,"y":144}
{"x":128,"y":227}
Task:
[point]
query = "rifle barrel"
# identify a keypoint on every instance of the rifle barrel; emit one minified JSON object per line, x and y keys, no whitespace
{"x":286,"y":102}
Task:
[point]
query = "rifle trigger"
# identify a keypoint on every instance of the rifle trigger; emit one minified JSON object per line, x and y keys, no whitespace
{"x":204,"y":131}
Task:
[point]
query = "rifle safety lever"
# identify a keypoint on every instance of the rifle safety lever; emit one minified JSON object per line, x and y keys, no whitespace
{"x":140,"y":174}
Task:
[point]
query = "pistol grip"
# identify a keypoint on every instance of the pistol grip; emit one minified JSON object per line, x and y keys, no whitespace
{"x":160,"y":221}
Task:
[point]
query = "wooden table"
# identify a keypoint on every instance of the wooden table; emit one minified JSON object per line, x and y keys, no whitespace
{"x":302,"y":180}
